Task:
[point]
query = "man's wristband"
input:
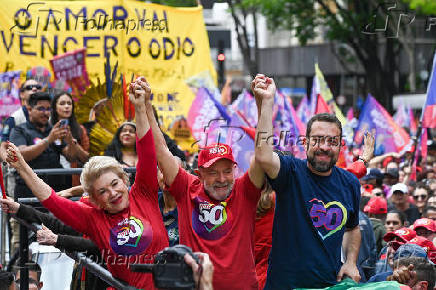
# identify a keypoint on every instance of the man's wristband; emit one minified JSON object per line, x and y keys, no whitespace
{"x":46,"y":141}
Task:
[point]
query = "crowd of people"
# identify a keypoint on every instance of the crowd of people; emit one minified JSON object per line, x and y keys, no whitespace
{"x":285,"y":223}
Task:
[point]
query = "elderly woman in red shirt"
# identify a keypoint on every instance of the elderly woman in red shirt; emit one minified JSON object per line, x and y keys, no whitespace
{"x":126,"y":226}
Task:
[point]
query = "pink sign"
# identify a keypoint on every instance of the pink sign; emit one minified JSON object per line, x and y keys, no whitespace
{"x":71,"y":67}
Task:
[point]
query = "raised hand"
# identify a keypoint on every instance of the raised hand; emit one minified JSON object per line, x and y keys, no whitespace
{"x":368,"y":146}
{"x":139,"y":91}
{"x":263,"y":87}
{"x":13,"y":156}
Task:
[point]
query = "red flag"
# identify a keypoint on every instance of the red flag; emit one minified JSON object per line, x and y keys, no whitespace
{"x":342,"y":160}
{"x":250,"y":131}
{"x":321,"y":106}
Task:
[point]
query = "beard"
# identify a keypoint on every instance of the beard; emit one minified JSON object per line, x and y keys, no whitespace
{"x":322,"y":166}
{"x":212,"y":192}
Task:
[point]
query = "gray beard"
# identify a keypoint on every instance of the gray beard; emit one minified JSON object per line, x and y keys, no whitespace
{"x":210,"y":190}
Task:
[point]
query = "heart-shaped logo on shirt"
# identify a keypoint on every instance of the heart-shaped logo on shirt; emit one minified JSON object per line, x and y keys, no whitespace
{"x":210,"y":221}
{"x":328,"y":218}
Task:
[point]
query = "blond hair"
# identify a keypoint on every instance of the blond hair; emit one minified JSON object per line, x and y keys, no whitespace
{"x":266,"y":201}
{"x":96,"y":167}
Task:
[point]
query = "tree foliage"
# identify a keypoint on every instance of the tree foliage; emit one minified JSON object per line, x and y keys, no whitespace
{"x":425,"y":6}
{"x":177,"y":3}
{"x":242,"y":12}
{"x":373,"y":29}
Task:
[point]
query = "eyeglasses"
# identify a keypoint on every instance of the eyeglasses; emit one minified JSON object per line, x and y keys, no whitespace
{"x":43,"y":109}
{"x":30,"y":87}
{"x":332,"y":141}
{"x":420,"y":197}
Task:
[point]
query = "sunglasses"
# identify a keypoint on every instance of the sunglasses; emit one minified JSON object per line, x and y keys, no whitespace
{"x":30,"y":87}
{"x":419,"y":197}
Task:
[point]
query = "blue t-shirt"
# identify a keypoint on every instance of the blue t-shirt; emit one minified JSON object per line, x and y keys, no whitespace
{"x":312,"y":213}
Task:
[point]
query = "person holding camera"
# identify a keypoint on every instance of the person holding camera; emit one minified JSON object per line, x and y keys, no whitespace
{"x":216,"y":210}
{"x":202,"y":272}
{"x":126,"y":226}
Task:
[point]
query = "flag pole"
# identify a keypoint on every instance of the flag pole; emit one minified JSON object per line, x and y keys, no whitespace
{"x":415,"y":142}
{"x":2,"y":183}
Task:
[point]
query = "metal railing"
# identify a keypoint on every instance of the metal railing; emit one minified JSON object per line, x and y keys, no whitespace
{"x":84,"y":261}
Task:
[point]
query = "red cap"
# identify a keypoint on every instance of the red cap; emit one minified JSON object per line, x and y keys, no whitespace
{"x":423,"y":243}
{"x":432,"y":256}
{"x":426,"y":223}
{"x":402,"y":235}
{"x":211,"y":154}
{"x":376,"y":205}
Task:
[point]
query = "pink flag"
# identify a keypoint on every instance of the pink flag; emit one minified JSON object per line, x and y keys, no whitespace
{"x":350,"y":114}
{"x":424,"y":139}
{"x":401,"y":116}
{"x":71,"y":66}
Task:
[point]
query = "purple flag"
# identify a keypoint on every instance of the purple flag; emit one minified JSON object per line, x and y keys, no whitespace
{"x":205,"y":118}
{"x":428,"y":116}
{"x":245,"y":106}
{"x":242,"y":143}
{"x":303,"y":110}
{"x":287,"y":128}
{"x":390,"y":137}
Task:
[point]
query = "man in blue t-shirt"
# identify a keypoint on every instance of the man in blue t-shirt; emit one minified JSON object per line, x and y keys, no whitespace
{"x":317,"y":203}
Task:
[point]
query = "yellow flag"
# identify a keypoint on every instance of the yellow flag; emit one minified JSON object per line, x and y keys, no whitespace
{"x":327,"y":94}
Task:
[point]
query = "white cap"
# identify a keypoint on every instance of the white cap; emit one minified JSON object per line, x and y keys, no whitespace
{"x":400,"y":187}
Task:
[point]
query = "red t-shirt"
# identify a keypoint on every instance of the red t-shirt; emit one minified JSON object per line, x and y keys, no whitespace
{"x":263,"y":244}
{"x":224,"y":230}
{"x":131,"y":236}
